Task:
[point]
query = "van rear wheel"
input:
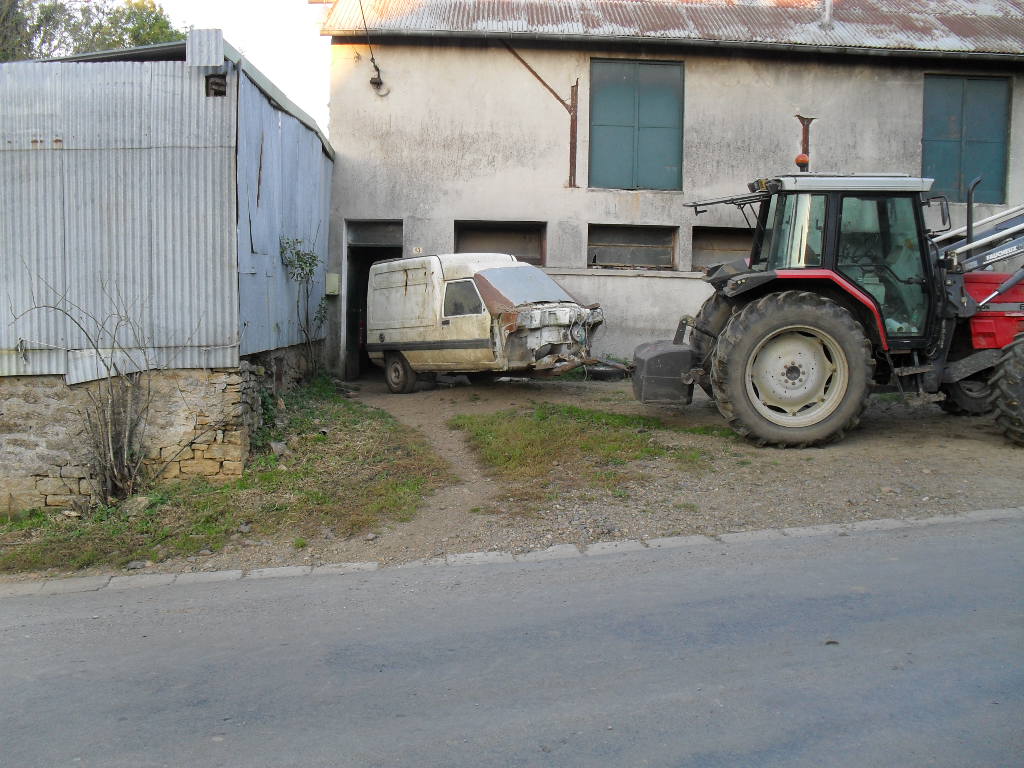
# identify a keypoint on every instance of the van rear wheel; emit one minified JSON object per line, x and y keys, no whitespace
{"x":400,"y":376}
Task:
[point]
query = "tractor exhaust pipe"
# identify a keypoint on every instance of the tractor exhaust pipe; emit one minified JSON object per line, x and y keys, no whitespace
{"x":970,"y":212}
{"x":803,"y":160}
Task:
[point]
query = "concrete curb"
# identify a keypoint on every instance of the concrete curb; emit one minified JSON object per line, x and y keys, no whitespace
{"x":71,"y":585}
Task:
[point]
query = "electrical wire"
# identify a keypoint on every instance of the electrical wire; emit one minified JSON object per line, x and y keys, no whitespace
{"x":366,"y":32}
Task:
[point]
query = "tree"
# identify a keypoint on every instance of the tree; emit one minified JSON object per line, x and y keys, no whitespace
{"x":13,"y":31}
{"x":47,"y":28}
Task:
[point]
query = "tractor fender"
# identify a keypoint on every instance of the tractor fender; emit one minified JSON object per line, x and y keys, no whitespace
{"x":825,"y":282}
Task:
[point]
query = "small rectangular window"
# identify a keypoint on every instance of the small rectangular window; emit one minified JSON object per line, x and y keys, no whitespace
{"x":719,"y":245}
{"x":461,"y":298}
{"x":523,"y":239}
{"x":216,"y":85}
{"x":631,"y":247}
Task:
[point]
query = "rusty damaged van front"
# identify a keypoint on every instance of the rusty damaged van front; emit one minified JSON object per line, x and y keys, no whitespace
{"x":468,"y":313}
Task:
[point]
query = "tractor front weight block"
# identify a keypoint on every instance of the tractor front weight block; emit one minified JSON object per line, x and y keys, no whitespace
{"x":661,"y":373}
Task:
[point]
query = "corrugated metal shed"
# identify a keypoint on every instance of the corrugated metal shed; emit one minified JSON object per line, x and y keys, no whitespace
{"x":283,"y":191}
{"x":116,"y":214}
{"x":979,"y":28}
{"x":119,"y":226}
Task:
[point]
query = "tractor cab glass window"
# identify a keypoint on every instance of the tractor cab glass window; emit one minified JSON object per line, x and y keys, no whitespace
{"x":461,"y":298}
{"x":879,"y":250}
{"x":794,"y":231}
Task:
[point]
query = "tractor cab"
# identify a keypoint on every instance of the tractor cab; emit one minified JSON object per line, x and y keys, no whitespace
{"x":865,"y":231}
{"x":847,"y":291}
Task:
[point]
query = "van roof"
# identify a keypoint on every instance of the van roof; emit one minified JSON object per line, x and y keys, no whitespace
{"x":454,"y":266}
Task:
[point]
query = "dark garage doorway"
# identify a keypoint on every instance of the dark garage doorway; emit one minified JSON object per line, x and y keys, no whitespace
{"x":367,"y":242}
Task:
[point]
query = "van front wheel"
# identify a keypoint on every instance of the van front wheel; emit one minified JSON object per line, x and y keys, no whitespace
{"x":399,"y":374}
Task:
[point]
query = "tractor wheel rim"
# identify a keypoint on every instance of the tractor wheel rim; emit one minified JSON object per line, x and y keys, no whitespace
{"x":797,"y":376}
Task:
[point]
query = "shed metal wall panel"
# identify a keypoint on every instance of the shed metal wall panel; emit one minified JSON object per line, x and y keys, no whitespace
{"x":122,"y":206}
{"x":32,"y":253}
{"x":204,"y":48}
{"x":283,"y":192}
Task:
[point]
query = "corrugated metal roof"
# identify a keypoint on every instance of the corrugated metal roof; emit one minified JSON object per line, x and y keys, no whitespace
{"x":951,"y":27}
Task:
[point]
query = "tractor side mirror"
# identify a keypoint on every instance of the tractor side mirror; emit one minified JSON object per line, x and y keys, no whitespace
{"x":936,"y":214}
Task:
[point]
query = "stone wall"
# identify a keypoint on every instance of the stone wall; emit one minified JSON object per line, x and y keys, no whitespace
{"x":200,"y":423}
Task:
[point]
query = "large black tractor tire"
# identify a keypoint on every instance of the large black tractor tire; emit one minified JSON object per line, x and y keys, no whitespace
{"x":400,"y":376}
{"x":707,"y":325}
{"x":967,"y":397}
{"x":1007,"y":385}
{"x":792,"y":369}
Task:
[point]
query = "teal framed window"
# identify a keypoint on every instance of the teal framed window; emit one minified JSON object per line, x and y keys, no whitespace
{"x":966,"y":132}
{"x":636,"y":124}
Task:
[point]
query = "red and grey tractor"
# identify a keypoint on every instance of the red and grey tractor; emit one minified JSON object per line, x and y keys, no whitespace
{"x":847,"y":292}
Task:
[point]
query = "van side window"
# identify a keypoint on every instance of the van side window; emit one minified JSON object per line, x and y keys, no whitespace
{"x":461,"y":298}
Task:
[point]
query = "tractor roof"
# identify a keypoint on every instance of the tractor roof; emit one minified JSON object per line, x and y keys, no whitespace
{"x":832,"y":182}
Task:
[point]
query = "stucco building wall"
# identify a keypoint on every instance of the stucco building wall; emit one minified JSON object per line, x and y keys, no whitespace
{"x":465,"y":132}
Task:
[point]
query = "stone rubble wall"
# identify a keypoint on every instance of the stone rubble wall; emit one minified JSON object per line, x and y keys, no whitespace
{"x":200,"y":423}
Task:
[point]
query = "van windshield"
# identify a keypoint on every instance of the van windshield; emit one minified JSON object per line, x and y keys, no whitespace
{"x":524,"y":284}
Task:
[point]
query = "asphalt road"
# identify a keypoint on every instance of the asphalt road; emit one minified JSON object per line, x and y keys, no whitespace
{"x":888,"y":648}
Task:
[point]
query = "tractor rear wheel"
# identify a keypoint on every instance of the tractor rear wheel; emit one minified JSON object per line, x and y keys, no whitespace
{"x":1007,"y":385}
{"x":792,"y":369}
{"x":707,"y":325}
{"x":967,"y":397}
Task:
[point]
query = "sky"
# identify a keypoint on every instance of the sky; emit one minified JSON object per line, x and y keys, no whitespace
{"x":281,"y":38}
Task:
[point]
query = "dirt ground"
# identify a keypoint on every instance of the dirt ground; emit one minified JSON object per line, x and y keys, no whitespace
{"x":906,"y":460}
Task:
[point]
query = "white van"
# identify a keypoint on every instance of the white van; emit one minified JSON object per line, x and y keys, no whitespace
{"x":471,"y":313}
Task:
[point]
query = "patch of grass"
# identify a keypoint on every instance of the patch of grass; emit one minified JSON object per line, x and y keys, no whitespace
{"x":27,"y":520}
{"x":365,"y":469}
{"x":300,"y":543}
{"x":692,"y":457}
{"x":524,"y":445}
{"x":579,"y":373}
{"x":546,"y":450}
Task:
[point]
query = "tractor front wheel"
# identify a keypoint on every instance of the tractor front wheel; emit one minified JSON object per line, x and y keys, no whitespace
{"x":792,"y":369}
{"x":967,"y":397}
{"x":1007,"y":384}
